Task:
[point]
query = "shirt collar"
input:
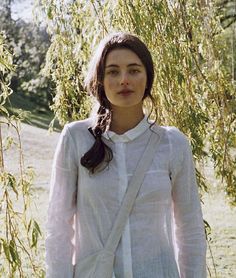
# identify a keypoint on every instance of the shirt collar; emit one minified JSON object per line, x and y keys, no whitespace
{"x":129,"y":135}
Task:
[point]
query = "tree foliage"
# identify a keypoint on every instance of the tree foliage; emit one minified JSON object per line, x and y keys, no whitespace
{"x":19,"y":231}
{"x":227,"y":12}
{"x":193,"y":85}
{"x":29,"y":44}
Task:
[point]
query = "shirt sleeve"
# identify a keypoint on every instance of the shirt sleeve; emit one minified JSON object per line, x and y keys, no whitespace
{"x":189,"y":226}
{"x":62,"y":209}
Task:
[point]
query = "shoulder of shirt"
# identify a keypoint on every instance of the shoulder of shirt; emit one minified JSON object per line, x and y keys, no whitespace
{"x":175,"y":136}
{"x":77,"y":128}
{"x":82,"y":124}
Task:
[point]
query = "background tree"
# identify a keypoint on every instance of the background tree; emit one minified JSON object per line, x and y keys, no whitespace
{"x":19,"y":231}
{"x":193,"y":87}
{"x":227,"y":12}
{"x":29,"y":44}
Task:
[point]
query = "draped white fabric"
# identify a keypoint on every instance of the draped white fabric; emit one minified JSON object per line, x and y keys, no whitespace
{"x":164,"y":236}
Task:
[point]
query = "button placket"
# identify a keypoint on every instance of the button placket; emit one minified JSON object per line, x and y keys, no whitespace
{"x":123,"y":183}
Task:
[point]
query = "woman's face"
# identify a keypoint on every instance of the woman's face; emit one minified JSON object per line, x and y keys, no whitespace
{"x":125,"y":78}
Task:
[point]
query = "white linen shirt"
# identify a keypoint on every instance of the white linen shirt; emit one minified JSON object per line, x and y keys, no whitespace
{"x":164,"y":235}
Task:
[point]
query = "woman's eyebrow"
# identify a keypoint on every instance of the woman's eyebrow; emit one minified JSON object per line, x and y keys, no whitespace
{"x":129,"y":65}
{"x":112,"y":65}
{"x":135,"y":64}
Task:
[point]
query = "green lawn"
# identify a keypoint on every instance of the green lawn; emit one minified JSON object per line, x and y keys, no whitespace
{"x":33,"y":113}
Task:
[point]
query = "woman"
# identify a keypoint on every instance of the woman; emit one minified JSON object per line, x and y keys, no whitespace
{"x":94,"y":162}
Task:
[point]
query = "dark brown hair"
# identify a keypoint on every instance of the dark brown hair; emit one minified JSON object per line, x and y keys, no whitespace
{"x":100,"y":152}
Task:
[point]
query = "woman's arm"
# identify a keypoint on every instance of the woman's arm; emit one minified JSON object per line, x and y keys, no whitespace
{"x":190,"y":234}
{"x":62,"y":209}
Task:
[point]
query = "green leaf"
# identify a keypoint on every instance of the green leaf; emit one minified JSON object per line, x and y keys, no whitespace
{"x":4,"y":110}
{"x":35,"y":234}
{"x":49,"y":13}
{"x":180,"y":78}
{"x":13,"y":252}
{"x":29,"y":226}
{"x":6,"y":251}
{"x":12,"y":183}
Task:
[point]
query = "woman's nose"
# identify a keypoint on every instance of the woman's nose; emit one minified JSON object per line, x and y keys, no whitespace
{"x":124,"y":79}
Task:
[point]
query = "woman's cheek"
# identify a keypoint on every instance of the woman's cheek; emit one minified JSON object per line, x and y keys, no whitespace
{"x":111,"y":84}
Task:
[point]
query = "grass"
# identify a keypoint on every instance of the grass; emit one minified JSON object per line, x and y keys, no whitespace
{"x":33,"y":113}
{"x":222,"y":219}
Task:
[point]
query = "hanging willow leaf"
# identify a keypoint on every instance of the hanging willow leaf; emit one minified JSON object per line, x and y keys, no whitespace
{"x":35,"y":234}
{"x":14,"y":253}
{"x":3,"y":110}
{"x":12,"y":183}
{"x":6,"y":250}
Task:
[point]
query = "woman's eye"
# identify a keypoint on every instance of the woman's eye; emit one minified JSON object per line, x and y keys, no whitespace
{"x":134,"y":71}
{"x":113,"y":72}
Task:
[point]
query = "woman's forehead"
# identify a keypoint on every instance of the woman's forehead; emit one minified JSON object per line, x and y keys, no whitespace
{"x":123,"y":56}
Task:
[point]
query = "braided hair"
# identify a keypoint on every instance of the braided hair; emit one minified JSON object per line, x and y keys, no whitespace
{"x":99,"y":152}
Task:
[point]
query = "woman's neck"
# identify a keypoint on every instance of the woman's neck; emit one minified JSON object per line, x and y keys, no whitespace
{"x":124,"y":119}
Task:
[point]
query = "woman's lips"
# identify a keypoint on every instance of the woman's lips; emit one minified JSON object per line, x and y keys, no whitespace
{"x":125,"y":92}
